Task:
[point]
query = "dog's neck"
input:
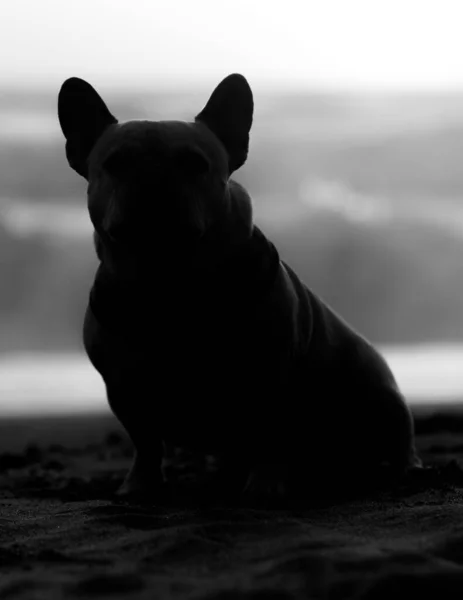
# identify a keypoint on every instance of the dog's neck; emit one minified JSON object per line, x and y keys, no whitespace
{"x":209,"y":256}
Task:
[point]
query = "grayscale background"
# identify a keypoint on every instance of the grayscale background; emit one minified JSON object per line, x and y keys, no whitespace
{"x":355,"y":166}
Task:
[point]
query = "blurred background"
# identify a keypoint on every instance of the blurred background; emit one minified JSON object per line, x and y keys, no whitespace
{"x":355,"y":166}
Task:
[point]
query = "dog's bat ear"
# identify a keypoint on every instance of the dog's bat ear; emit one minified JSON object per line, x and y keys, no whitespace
{"x":83,"y":117}
{"x":228,"y":113}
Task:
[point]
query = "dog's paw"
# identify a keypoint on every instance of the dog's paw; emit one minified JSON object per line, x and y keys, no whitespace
{"x":142,"y":482}
{"x":266,"y":487}
{"x":139,"y":488}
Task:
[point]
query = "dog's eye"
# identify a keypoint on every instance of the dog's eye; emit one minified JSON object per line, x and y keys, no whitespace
{"x":126,"y":162}
{"x":191,"y":162}
{"x":118,"y":163}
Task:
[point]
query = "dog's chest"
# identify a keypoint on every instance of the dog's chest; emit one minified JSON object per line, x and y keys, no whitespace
{"x":208,"y":336}
{"x":188,"y":340}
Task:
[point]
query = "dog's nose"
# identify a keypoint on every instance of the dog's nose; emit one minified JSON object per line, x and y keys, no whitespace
{"x":113,"y":222}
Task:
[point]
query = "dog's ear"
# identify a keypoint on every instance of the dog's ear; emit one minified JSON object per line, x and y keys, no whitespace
{"x":228,"y":113}
{"x":83,"y":117}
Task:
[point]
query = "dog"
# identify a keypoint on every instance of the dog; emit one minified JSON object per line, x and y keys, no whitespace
{"x":202,"y":335}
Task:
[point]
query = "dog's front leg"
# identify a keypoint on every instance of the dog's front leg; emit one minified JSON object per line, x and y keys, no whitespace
{"x":145,"y":476}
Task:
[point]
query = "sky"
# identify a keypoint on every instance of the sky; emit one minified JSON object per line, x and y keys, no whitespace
{"x":322,"y":44}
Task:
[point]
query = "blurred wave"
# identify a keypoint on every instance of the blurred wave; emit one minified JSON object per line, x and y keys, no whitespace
{"x":26,"y":218}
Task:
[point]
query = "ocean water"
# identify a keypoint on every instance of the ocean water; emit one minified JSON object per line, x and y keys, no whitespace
{"x":58,"y":384}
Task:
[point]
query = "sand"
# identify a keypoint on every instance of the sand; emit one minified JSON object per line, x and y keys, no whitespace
{"x":64,"y":535}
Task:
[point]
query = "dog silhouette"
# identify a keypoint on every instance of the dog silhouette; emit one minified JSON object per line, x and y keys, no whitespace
{"x":202,"y":335}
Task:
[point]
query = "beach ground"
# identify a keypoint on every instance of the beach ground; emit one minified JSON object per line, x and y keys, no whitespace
{"x":63,"y":534}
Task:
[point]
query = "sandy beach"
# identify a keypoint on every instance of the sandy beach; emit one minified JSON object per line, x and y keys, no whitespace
{"x":64,"y":535}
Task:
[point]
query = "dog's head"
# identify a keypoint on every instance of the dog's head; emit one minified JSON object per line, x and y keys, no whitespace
{"x":162,"y":184}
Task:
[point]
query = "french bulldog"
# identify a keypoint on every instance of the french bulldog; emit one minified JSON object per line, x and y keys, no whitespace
{"x":202,"y":335}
